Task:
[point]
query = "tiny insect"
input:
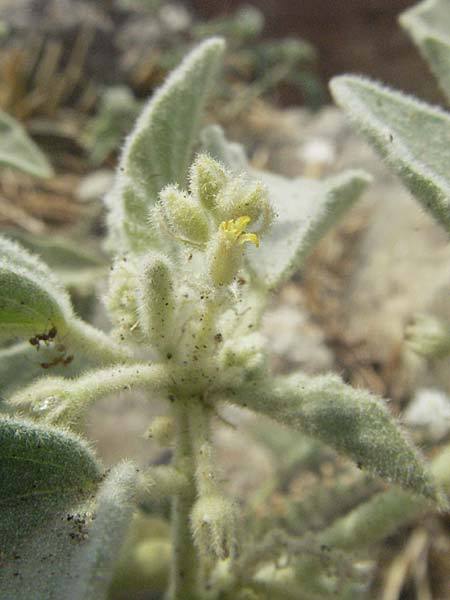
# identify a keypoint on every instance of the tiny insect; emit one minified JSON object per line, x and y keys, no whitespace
{"x":49,"y":337}
{"x":43,"y":337}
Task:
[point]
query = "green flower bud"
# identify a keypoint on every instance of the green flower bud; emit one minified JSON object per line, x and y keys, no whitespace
{"x":162,"y":430}
{"x":429,"y":337}
{"x":207,"y":177}
{"x":121,"y":300}
{"x":213,"y":522}
{"x":245,"y":353}
{"x":156,"y":299}
{"x":184,"y":215}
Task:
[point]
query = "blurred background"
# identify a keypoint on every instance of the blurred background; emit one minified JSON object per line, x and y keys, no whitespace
{"x":75,"y":74}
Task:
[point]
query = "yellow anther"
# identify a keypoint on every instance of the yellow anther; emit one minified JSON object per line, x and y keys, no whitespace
{"x":236,"y":229}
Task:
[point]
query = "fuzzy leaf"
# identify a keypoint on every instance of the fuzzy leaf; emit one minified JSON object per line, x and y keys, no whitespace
{"x":412,"y":136}
{"x":383,"y":514}
{"x":31,"y":299}
{"x":19,"y":151}
{"x":352,"y":421}
{"x":306,"y":209}
{"x":59,"y":537}
{"x":428,"y":23}
{"x":159,"y":149}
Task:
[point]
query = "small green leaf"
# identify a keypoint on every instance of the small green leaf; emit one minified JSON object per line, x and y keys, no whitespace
{"x":412,"y":136}
{"x":19,"y":151}
{"x":31,"y":299}
{"x":352,"y":421}
{"x":428,"y":23}
{"x":59,"y":537}
{"x":159,"y":149}
{"x":306,"y":209}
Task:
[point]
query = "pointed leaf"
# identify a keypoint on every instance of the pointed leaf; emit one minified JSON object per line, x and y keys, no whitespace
{"x":60,"y":538}
{"x":19,"y":151}
{"x":428,"y":23}
{"x":383,"y":514}
{"x":306,"y":209}
{"x":159,"y":149}
{"x":31,"y":299}
{"x":411,"y":135}
{"x":352,"y":421}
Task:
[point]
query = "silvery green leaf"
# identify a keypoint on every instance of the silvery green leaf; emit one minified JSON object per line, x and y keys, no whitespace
{"x":31,"y":299}
{"x":428,"y":23}
{"x":62,"y":526}
{"x":412,"y":136}
{"x":305,"y":209}
{"x":19,"y":151}
{"x":159,"y":149}
{"x":352,"y":421}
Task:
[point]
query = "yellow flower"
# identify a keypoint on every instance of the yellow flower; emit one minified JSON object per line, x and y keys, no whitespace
{"x":236,"y":230}
{"x":225,"y":253}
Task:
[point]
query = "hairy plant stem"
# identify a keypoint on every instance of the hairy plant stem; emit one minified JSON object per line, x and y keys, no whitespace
{"x":184,"y":577}
{"x":96,"y":344}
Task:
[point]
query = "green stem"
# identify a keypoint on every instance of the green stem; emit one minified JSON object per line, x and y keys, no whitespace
{"x":203,"y":451}
{"x":96,"y":344}
{"x":184,"y":579}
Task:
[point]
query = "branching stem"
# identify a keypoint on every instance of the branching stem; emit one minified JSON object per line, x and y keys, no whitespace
{"x":96,"y":344}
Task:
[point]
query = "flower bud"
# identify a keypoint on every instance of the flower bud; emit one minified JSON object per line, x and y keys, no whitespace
{"x":213,"y":522}
{"x":120,"y":299}
{"x":245,"y":353}
{"x":429,"y":337}
{"x":162,"y":430}
{"x":185,"y":216}
{"x":207,"y":178}
{"x":157,"y":302}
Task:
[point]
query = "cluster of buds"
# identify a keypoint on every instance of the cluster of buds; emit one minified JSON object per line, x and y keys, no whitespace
{"x":218,"y":215}
{"x":158,"y":297}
